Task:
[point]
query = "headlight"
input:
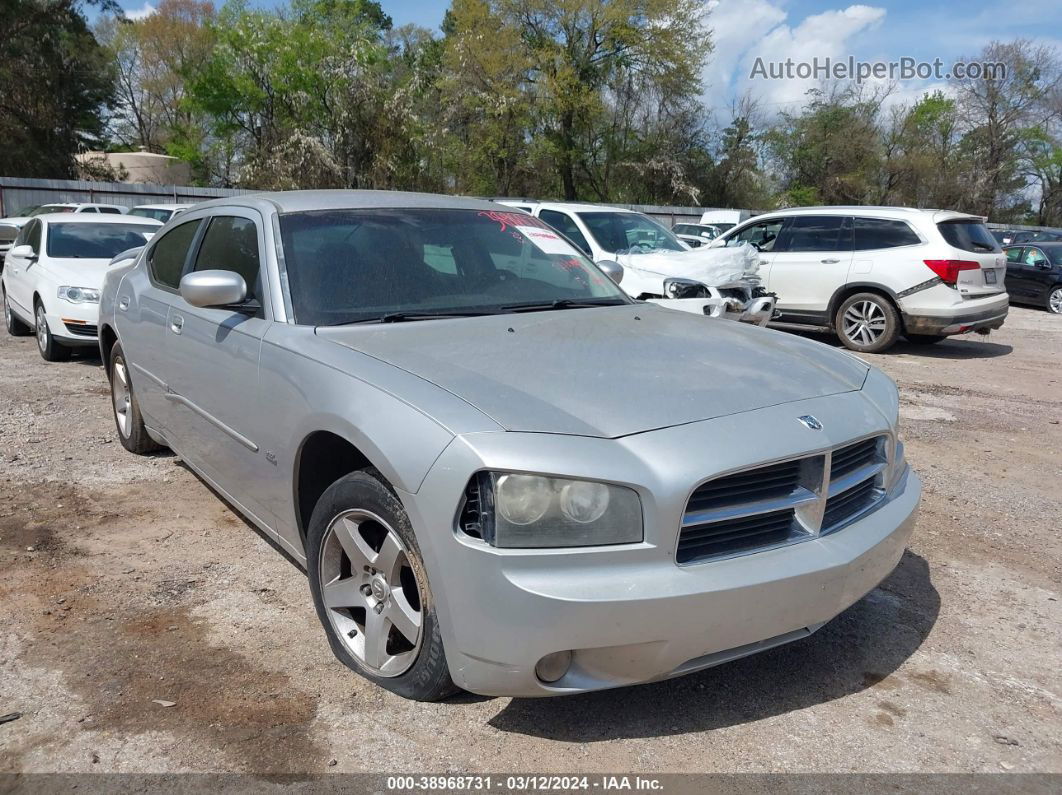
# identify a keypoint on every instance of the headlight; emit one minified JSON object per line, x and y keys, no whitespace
{"x":80,"y":295}
{"x":534,"y":511}
{"x":685,"y":288}
{"x":882,"y":392}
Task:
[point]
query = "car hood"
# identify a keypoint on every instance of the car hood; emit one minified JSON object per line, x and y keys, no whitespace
{"x":78,"y":272}
{"x":606,"y":372}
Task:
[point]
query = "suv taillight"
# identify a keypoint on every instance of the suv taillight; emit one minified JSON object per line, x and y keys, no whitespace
{"x":948,"y":269}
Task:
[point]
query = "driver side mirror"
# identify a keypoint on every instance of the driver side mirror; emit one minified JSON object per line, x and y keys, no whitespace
{"x":612,"y":269}
{"x":718,"y":242}
{"x":213,"y":288}
{"x":24,"y":251}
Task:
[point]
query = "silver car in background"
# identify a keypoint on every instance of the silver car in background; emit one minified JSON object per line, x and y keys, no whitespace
{"x":501,"y":473}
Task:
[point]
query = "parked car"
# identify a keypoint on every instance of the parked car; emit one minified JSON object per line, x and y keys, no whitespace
{"x":160,"y":212}
{"x":695,"y":235}
{"x":78,"y":207}
{"x":1034,"y":275}
{"x":501,"y":473}
{"x":51,"y":283}
{"x":8,"y":232}
{"x":1023,"y":236}
{"x":656,"y":265}
{"x":725,"y":220}
{"x":875,"y":273}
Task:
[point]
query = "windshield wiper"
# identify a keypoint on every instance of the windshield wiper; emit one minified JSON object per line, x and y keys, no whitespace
{"x":403,"y":317}
{"x":561,"y":303}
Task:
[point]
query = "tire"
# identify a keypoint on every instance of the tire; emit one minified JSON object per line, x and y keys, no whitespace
{"x":1053,"y":301}
{"x":924,"y":339}
{"x":365,"y":567}
{"x":15,"y":327}
{"x":50,"y":349}
{"x":127,"y":419}
{"x":867,"y":323}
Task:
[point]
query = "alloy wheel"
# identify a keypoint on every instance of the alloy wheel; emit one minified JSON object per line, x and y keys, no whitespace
{"x":42,"y":328}
{"x":864,"y":322}
{"x":7,"y":312}
{"x":1054,"y":301}
{"x":122,"y":397}
{"x":370,"y":592}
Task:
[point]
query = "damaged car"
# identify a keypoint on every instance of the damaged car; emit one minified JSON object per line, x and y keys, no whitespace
{"x":501,"y":473}
{"x":655,"y":265}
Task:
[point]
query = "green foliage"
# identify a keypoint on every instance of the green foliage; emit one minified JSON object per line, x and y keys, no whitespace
{"x":57,"y":85}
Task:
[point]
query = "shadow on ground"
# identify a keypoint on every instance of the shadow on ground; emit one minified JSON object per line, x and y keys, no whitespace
{"x":963,"y":346}
{"x":856,"y":650}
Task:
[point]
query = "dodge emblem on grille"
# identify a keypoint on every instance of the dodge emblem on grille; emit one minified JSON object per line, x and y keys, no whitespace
{"x":811,"y":422}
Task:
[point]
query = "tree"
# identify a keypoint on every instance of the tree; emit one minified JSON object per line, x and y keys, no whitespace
{"x":57,"y":85}
{"x":583,"y":70}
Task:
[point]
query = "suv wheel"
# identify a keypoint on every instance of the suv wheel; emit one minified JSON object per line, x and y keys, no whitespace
{"x":1054,"y":300}
{"x":51,"y":351}
{"x":867,"y":322}
{"x":15,"y":327}
{"x":371,"y":591}
{"x":131,"y":431}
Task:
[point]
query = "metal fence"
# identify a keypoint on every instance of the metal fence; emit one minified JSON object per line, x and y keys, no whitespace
{"x":16,"y":193}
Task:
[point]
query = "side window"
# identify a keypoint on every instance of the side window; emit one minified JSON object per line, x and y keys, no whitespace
{"x":872,"y":233}
{"x":111,"y":210}
{"x":231,"y":244}
{"x":816,"y":233}
{"x":565,"y":224}
{"x":1014,"y":254}
{"x":762,"y":235}
{"x":167,"y":258}
{"x":1035,"y":257}
{"x":33,"y":237}
{"x":87,"y":210}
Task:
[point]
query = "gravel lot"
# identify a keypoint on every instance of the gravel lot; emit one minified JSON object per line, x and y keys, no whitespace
{"x":125,"y":582}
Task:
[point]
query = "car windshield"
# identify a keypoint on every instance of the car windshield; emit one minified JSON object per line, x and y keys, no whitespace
{"x":23,"y":212}
{"x":154,"y":213}
{"x":622,"y":233}
{"x":350,"y":266}
{"x":95,"y":241}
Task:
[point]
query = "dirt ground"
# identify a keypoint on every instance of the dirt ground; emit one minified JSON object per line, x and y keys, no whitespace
{"x":125,"y":582}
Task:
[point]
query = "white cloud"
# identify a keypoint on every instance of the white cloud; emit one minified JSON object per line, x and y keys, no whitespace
{"x":143,"y":12}
{"x":757,"y":29}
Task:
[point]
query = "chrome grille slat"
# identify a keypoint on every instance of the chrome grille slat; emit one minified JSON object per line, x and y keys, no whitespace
{"x":783,"y":502}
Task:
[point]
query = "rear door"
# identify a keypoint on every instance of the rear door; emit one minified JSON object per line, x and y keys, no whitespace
{"x":973,"y":243}
{"x":810,"y":262}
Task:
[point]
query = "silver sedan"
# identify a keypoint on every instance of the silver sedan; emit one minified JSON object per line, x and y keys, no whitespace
{"x":500,"y":472}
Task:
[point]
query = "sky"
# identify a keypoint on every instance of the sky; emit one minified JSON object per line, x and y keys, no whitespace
{"x":775,"y":30}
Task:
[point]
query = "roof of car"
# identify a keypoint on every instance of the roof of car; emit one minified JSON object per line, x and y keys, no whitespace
{"x":899,"y":212}
{"x":162,"y":206}
{"x":1052,"y":244}
{"x":94,"y":218}
{"x":296,"y":201}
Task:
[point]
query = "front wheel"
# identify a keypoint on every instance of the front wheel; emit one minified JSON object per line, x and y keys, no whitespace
{"x":371,"y":591}
{"x":867,"y":323}
{"x":1054,"y":300}
{"x":50,"y":349}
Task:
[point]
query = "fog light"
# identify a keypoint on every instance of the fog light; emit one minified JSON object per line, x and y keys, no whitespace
{"x":553,"y":666}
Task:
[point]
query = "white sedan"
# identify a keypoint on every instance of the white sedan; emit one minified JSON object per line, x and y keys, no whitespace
{"x":53,"y":275}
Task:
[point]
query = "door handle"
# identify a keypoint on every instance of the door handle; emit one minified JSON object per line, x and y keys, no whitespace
{"x":829,"y":261}
{"x":123,"y":302}
{"x":176,"y":324}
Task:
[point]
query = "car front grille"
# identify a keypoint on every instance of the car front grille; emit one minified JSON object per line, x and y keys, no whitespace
{"x":782,"y":503}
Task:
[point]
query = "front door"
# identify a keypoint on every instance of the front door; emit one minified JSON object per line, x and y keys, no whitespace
{"x":18,"y":276}
{"x":214,"y":355}
{"x":810,"y":262}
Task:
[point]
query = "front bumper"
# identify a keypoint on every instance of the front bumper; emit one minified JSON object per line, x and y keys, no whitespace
{"x":629,"y":613}
{"x":75,"y":325}
{"x":757,"y":311}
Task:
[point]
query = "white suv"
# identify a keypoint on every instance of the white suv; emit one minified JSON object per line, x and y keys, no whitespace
{"x":874,"y":273}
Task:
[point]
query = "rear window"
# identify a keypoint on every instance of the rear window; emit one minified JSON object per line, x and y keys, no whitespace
{"x":968,"y":235}
{"x":873,"y":233}
{"x":95,"y":240}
